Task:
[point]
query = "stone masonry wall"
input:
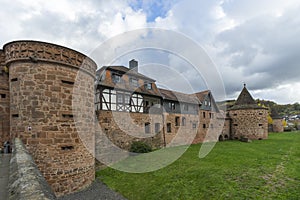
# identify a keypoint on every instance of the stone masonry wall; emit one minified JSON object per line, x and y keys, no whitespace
{"x":122,"y":128}
{"x":249,"y":123}
{"x":4,"y":102}
{"x":210,"y":126}
{"x":180,"y":134}
{"x":25,"y":180}
{"x":52,"y":98}
{"x":277,"y":125}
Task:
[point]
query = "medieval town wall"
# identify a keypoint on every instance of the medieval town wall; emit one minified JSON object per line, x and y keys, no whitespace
{"x":249,"y":123}
{"x":46,"y":80}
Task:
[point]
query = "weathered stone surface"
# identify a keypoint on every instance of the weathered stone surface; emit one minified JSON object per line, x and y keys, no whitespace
{"x":26,"y":181}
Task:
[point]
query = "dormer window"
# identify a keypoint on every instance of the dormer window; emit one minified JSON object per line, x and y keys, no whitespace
{"x":171,"y":105}
{"x":148,"y":86}
{"x":205,"y":103}
{"x":116,"y":78}
{"x":133,"y":82}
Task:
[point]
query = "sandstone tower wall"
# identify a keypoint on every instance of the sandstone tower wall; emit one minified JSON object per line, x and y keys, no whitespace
{"x":277,"y":125}
{"x":46,"y":82}
{"x":249,"y":123}
{"x":4,"y":102}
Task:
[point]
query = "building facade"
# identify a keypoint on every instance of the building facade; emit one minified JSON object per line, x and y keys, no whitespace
{"x":49,"y":98}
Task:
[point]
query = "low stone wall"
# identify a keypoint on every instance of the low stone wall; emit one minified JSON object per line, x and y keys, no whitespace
{"x":25,"y":180}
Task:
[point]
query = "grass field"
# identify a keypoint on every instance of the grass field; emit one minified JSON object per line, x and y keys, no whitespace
{"x":265,"y":169}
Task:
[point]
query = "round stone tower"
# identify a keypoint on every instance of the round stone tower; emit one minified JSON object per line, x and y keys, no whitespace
{"x":248,"y":119}
{"x":277,"y":125}
{"x":47,"y":82}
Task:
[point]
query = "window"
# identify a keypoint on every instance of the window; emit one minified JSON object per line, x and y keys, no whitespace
{"x":171,"y":105}
{"x":260,"y":124}
{"x":116,"y":78}
{"x":147,"y":127}
{"x":235,"y":125}
{"x":194,"y":125}
{"x":211,"y":126}
{"x":119,"y":98}
{"x":14,"y":79}
{"x":157,"y":127}
{"x":134,"y":82}
{"x":185,"y":107}
{"x":126,"y":99}
{"x":209,"y":104}
{"x":234,"y":114}
{"x":169,"y":127}
{"x":211,"y":115}
{"x":183,"y":121}
{"x":203,"y":114}
{"x":204,"y":125}
{"x":177,"y":121}
{"x":148,"y":86}
{"x":3,"y":96}
{"x":67,"y":82}
{"x":205,"y":102}
{"x":260,"y":114}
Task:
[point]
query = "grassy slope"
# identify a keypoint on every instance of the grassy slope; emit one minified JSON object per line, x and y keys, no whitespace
{"x":267,"y":169}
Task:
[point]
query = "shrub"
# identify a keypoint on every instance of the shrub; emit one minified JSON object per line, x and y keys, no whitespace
{"x":140,"y":147}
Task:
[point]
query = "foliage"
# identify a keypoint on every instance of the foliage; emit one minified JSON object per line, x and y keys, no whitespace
{"x":264,"y":169}
{"x":270,"y":120}
{"x":140,"y":147}
{"x":284,"y":123}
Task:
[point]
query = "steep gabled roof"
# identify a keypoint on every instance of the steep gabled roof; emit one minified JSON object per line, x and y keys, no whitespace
{"x":201,"y":95}
{"x":178,"y":96}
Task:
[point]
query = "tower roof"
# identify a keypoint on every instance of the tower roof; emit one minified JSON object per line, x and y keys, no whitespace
{"x":245,"y":101}
{"x":245,"y":98}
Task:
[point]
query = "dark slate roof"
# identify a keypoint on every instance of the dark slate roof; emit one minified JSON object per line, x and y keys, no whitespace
{"x":178,"y":96}
{"x":245,"y":101}
{"x":201,"y":95}
{"x":131,"y":72}
{"x":106,"y":80}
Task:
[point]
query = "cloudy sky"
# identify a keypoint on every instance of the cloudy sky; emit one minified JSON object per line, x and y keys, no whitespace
{"x":256,"y":41}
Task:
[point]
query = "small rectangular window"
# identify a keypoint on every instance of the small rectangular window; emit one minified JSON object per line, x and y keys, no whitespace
{"x":67,"y":115}
{"x":157,"y":127}
{"x":148,"y":86}
{"x":14,"y":79}
{"x":116,"y":78}
{"x":235,"y":125}
{"x":260,"y":124}
{"x":15,"y":115}
{"x":194,"y":125}
{"x":177,"y":121}
{"x":260,"y":114}
{"x":67,"y":82}
{"x":204,"y":125}
{"x":171,"y":105}
{"x":234,"y":114}
{"x":169,"y":128}
{"x":147,"y":127}
{"x":134,"y":82}
{"x":203,"y":114}
{"x":3,"y":96}
{"x":183,"y":121}
{"x":66,"y":148}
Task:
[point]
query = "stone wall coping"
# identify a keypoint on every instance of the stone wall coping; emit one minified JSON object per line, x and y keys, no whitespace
{"x":36,"y":51}
{"x":25,"y":180}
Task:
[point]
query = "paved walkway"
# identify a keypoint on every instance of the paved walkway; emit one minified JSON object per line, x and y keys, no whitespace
{"x":4,"y":175}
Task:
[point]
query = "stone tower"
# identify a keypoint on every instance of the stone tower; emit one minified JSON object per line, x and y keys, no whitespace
{"x":4,"y":101}
{"x":248,"y":119}
{"x":277,"y":125}
{"x":46,"y":81}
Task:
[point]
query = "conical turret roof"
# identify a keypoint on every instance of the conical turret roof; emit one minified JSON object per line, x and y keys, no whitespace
{"x":245,"y":101}
{"x":245,"y":98}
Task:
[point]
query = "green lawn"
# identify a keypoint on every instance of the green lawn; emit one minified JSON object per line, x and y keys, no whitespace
{"x":265,"y":169}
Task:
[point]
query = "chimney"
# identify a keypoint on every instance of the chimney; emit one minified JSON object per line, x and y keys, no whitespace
{"x":133,"y":65}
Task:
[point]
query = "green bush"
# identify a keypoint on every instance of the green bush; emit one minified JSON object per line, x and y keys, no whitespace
{"x":140,"y":147}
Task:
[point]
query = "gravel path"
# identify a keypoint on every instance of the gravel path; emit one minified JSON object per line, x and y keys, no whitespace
{"x":96,"y":191}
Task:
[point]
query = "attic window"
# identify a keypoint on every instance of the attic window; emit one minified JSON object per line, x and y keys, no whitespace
{"x":14,"y":79}
{"x":148,"y":86}
{"x":3,"y":96}
{"x":116,"y":78}
{"x":66,"y":148}
{"x":133,"y":82}
{"x":67,"y":82}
